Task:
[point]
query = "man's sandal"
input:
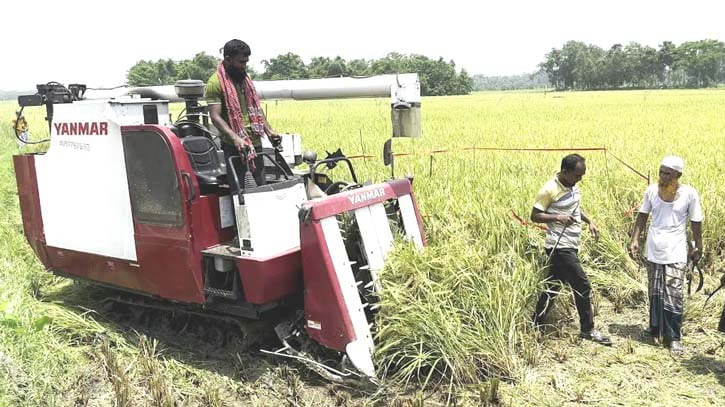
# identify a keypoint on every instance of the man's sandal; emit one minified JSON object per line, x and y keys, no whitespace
{"x":596,"y":336}
{"x":676,"y":348}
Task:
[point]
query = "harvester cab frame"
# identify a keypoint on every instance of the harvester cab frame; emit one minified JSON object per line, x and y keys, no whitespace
{"x":125,"y":198}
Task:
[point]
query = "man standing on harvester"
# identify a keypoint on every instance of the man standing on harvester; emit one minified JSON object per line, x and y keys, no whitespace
{"x":557,"y":205}
{"x":235,"y":110}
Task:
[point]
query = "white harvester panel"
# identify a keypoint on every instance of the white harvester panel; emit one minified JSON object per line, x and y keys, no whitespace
{"x":410,"y":221}
{"x":268,"y":223}
{"x":359,"y":351}
{"x":291,"y":147}
{"x":133,"y":111}
{"x":84,"y":197}
{"x":376,"y":237}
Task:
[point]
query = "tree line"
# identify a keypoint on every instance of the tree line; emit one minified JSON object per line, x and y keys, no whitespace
{"x":437,"y":76}
{"x":692,"y":64}
{"x":536,"y":80}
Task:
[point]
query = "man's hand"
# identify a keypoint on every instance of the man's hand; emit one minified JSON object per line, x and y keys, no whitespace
{"x":565,"y":219}
{"x":595,"y":230}
{"x":239,"y":143}
{"x":243,"y":144}
{"x":634,"y":249}
{"x":275,"y":139}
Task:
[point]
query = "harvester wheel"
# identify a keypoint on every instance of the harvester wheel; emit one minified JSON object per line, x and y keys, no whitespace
{"x":214,"y":336}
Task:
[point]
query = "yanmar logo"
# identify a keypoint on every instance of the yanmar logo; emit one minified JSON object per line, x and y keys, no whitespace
{"x":81,"y":129}
{"x":366,"y":196}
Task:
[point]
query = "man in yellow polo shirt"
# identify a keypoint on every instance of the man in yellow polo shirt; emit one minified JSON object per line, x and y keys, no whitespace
{"x":557,"y":205}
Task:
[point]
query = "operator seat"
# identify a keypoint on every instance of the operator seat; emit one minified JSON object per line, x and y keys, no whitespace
{"x":202,"y":152}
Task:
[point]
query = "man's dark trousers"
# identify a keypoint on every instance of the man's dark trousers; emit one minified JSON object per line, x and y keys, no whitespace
{"x":565,"y":267}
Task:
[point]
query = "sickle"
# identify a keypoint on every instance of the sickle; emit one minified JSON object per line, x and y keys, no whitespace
{"x":713,"y":293}
{"x":692,"y":276}
{"x":699,"y":272}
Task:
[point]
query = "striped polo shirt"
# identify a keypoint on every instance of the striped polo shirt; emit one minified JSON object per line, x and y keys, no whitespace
{"x":556,"y":199}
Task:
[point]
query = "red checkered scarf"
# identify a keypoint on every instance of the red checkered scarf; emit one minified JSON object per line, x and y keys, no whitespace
{"x":234,"y":110}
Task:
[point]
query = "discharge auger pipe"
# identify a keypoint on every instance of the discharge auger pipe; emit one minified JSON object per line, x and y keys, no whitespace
{"x":401,"y":88}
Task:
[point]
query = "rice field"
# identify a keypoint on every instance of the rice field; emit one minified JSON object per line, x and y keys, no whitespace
{"x":454,"y":327}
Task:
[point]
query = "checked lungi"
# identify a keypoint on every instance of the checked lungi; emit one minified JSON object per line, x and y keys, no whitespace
{"x":665,"y":289}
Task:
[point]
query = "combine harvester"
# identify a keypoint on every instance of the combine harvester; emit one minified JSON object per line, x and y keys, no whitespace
{"x":126,"y":199}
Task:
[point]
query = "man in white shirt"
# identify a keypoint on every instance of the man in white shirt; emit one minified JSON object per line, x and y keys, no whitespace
{"x":671,"y":204}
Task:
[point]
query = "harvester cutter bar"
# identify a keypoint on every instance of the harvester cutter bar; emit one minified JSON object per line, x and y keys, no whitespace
{"x":320,"y":368}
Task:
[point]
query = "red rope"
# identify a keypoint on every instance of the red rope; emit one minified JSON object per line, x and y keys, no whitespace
{"x":631,"y":211}
{"x":630,"y":167}
{"x":431,"y":152}
{"x":538,"y":149}
{"x":525,"y":223}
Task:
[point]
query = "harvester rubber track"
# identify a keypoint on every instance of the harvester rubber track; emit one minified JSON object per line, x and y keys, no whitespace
{"x":190,"y":329}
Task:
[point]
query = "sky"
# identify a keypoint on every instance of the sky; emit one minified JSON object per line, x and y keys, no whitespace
{"x":96,"y":42}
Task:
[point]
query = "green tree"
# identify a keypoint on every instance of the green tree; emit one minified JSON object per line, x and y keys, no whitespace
{"x":587,"y":71}
{"x":167,"y":71}
{"x":464,"y":83}
{"x":437,"y":77}
{"x":701,"y":61}
{"x":323,"y":67}
{"x":358,"y":67}
{"x":561,"y":65}
{"x":285,"y":66}
{"x":534,"y":80}
{"x":148,"y":73}
{"x":643,"y":68}
{"x":202,"y":66}
{"x":580,"y":66}
{"x":551,"y":66}
{"x":391,"y":63}
{"x":666,"y":61}
{"x":143,"y":73}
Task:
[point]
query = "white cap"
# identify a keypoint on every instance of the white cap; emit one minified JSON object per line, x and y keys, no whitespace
{"x":674,"y":162}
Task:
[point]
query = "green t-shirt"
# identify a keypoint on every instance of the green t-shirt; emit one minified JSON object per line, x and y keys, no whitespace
{"x":215,"y":95}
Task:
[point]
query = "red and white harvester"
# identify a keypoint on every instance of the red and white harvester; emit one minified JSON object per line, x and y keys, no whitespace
{"x":127,"y":199}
